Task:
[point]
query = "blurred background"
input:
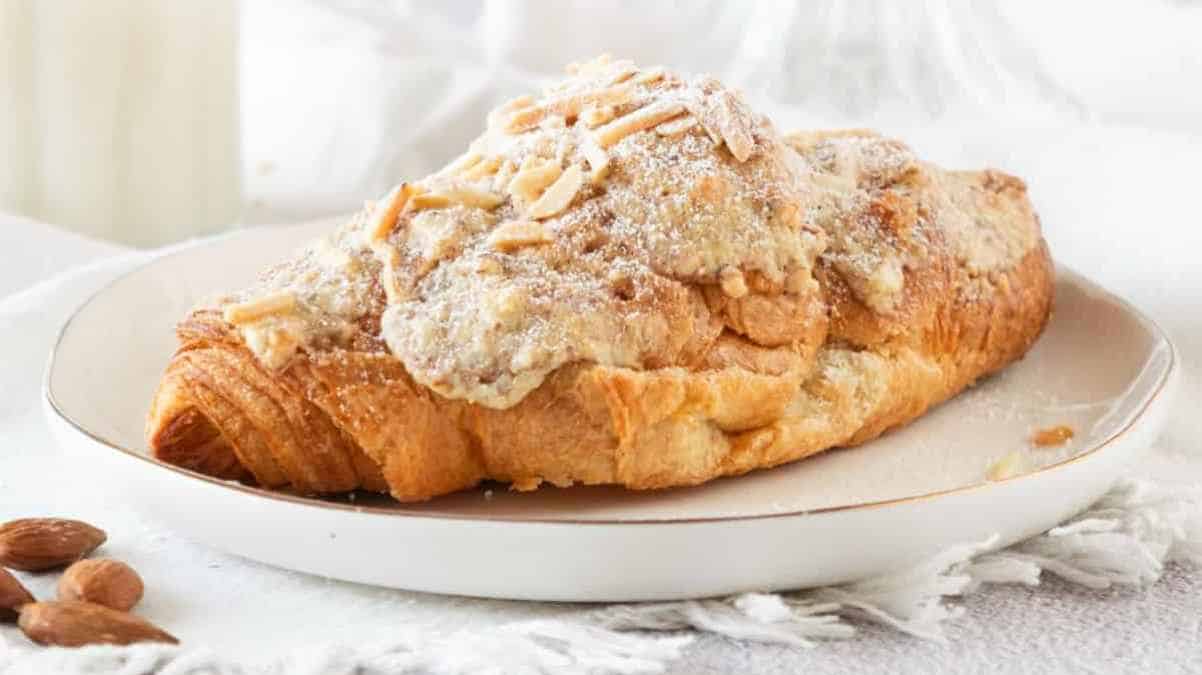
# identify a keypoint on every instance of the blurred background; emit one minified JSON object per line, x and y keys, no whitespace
{"x":150,"y":121}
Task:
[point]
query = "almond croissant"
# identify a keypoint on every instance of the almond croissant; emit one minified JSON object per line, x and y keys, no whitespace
{"x":631,"y":279}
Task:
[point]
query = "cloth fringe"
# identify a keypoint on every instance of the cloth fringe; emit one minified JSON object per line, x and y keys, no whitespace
{"x":1126,"y":538}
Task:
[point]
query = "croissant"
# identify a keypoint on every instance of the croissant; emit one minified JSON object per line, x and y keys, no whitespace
{"x":629,"y":279}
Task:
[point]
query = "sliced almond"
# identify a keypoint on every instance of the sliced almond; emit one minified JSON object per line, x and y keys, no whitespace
{"x":675,"y":127}
{"x":260,"y":308}
{"x":731,"y":120}
{"x":530,"y":182}
{"x":561,"y":193}
{"x":518,"y":234}
{"x":505,"y":172}
{"x":643,"y":118}
{"x":569,"y":106}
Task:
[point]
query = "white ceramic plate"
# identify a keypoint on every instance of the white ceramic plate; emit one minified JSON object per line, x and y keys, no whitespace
{"x":1101,"y":368}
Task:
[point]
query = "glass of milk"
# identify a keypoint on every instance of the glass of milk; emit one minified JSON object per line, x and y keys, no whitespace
{"x":119,"y":119}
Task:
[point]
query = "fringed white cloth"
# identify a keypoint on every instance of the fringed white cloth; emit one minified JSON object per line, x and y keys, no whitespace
{"x":1126,"y":538}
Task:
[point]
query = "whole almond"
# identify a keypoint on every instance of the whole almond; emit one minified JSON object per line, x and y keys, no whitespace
{"x":12,"y":596}
{"x":36,"y":544}
{"x":103,"y":581}
{"x":74,"y":624}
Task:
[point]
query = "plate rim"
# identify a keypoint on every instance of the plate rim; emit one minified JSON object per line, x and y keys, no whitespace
{"x":79,"y":428}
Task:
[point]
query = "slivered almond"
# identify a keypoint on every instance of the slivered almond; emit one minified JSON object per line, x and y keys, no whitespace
{"x":505,"y":172}
{"x":644,"y":118}
{"x":530,"y":182}
{"x":568,"y":106}
{"x":623,"y":71}
{"x":650,"y":75}
{"x":595,"y":116}
{"x":483,"y":169}
{"x":598,"y":159}
{"x":428,"y":200}
{"x":676,"y":126}
{"x":259,"y":308}
{"x":518,"y":234}
{"x":474,"y":197}
{"x":502,"y":111}
{"x":561,"y":193}
{"x":384,"y":214}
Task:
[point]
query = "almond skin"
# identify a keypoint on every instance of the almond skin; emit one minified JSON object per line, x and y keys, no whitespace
{"x":12,"y":596}
{"x":75,"y":624}
{"x":103,"y":581}
{"x":37,"y":544}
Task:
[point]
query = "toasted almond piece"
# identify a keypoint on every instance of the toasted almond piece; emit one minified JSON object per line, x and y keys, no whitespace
{"x":36,"y":544}
{"x":651,"y":75}
{"x":75,"y":624}
{"x":103,"y":581}
{"x":733,"y":283}
{"x":1058,"y":435}
{"x":561,"y":193}
{"x":384,"y":214}
{"x":486,"y":167}
{"x":643,"y":118}
{"x":501,"y":112}
{"x":622,"y":72}
{"x":677,"y":126}
{"x":474,"y":197}
{"x":12,"y":596}
{"x":1007,"y":467}
{"x":530,"y":182}
{"x":428,"y":200}
{"x":598,"y":159}
{"x":259,"y":308}
{"x":595,"y":116}
{"x":518,"y":234}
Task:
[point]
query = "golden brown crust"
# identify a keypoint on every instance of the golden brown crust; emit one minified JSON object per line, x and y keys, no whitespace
{"x":931,"y":279}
